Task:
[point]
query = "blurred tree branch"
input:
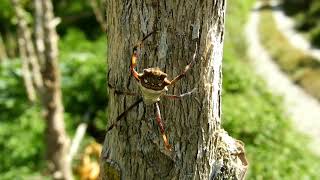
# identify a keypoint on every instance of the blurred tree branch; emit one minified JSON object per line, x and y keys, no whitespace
{"x":30,"y":67}
{"x":99,"y":12}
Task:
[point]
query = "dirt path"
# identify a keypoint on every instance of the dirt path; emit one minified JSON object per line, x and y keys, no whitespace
{"x":303,"y":109}
{"x":286,"y":25}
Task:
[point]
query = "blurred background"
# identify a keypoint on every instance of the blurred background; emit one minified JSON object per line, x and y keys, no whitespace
{"x":277,"y":147}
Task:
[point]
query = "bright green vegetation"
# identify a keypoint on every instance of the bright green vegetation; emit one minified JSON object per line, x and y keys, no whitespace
{"x":82,"y":64}
{"x":307,"y":15}
{"x":250,"y":113}
{"x":302,"y":68}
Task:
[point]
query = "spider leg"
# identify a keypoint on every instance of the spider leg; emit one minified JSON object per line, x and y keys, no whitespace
{"x":186,"y":69}
{"x":122,"y":92}
{"x":160,"y":124}
{"x":124,"y":114}
{"x":135,"y":56}
{"x":170,"y":96}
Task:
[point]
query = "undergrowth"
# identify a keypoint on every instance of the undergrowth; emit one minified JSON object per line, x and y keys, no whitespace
{"x":83,"y":71}
{"x":252,"y":114}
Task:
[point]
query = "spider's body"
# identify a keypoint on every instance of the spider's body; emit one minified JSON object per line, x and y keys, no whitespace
{"x":153,"y":84}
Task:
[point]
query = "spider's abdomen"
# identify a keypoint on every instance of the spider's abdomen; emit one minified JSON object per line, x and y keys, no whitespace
{"x":151,"y":96}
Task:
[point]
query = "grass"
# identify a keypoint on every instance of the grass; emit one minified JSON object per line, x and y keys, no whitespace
{"x":252,"y":114}
{"x":301,"y":68}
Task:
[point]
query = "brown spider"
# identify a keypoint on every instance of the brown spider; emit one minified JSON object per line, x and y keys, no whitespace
{"x":153,"y":84}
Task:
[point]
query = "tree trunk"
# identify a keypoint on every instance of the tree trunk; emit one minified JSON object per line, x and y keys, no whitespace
{"x":39,"y":36}
{"x":26,"y":45}
{"x":201,"y":149}
{"x":56,"y":137}
{"x":25,"y":49}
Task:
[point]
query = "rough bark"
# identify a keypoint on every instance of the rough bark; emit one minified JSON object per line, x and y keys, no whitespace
{"x":56,"y":137}
{"x":201,"y":149}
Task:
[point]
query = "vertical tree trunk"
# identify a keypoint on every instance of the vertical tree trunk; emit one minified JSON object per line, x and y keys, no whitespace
{"x":25,"y":49}
{"x":56,"y":137}
{"x":26,"y":45}
{"x":39,"y":36}
{"x":25,"y":69}
{"x":201,"y":149}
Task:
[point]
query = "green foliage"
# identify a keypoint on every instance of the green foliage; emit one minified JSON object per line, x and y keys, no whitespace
{"x":13,"y":95}
{"x":77,"y":14}
{"x":6,"y":12}
{"x":21,"y":145}
{"x":252,"y":114}
{"x":315,"y":36}
{"x":83,"y":69}
{"x":307,"y":14}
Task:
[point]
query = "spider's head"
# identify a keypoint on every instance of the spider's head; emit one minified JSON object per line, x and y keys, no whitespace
{"x":154,"y":78}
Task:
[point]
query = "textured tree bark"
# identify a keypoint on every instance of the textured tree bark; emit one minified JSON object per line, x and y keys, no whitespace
{"x":56,"y":137}
{"x":201,"y":149}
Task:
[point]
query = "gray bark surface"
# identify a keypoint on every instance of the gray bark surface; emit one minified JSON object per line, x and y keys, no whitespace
{"x":201,"y":149}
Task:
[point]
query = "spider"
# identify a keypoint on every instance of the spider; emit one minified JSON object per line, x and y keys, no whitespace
{"x":153,"y":84}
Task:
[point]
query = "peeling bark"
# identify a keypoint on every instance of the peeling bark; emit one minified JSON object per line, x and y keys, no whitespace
{"x":56,"y":137}
{"x":201,"y":149}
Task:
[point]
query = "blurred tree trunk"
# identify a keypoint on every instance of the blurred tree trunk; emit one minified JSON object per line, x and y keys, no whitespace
{"x":201,"y":148}
{"x":39,"y":36}
{"x":56,"y":137}
{"x":26,"y":50}
{"x":98,"y":10}
{"x":47,"y":81}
